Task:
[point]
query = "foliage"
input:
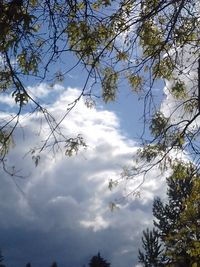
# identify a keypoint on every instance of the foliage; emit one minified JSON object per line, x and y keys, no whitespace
{"x":188,"y":223}
{"x":73,"y":144}
{"x":169,"y":223}
{"x":177,"y":220}
{"x":152,"y":249}
{"x":98,"y":261}
{"x":109,"y":85}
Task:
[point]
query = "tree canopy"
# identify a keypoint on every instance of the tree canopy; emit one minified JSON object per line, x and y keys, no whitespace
{"x":175,"y":241}
{"x":137,"y":42}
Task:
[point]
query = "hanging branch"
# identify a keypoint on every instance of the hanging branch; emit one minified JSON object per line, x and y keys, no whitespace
{"x":199,"y":84}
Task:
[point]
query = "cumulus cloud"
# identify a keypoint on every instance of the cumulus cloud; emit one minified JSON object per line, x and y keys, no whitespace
{"x":60,"y":211}
{"x":186,"y":72}
{"x":38,"y":93}
{"x":180,"y":104}
{"x":7,"y":100}
{"x":43,"y":90}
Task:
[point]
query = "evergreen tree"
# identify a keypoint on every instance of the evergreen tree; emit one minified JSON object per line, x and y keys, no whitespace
{"x":177,"y":222}
{"x":28,"y":264}
{"x":152,"y":254}
{"x":180,"y":186}
{"x":1,"y":260}
{"x":188,"y":225}
{"x":54,"y":264}
{"x":98,"y":261}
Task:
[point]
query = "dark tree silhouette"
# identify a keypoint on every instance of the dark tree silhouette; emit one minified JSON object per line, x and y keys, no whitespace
{"x":54,"y":264}
{"x":98,"y":261}
{"x":152,"y":253}
{"x":1,"y":260}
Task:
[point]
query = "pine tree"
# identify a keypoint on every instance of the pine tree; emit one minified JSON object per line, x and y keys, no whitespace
{"x":98,"y":261}
{"x":175,"y":241}
{"x":188,"y":224}
{"x":1,"y":260}
{"x":180,"y":185}
{"x":54,"y":264}
{"x":152,"y":254}
{"x":168,"y":215}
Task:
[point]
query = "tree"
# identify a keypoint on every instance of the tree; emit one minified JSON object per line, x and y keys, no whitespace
{"x":179,"y":188}
{"x":189,"y":224}
{"x":168,"y":216}
{"x":98,"y":261}
{"x":140,"y":41}
{"x":177,"y":220}
{"x":1,"y":260}
{"x":54,"y":264}
{"x":152,"y":254}
{"x":28,"y":264}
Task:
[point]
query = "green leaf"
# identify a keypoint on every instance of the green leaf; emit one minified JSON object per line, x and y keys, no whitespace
{"x":109,"y":84}
{"x":178,"y":90}
{"x":158,"y":124}
{"x":136,"y":82}
{"x":72,"y":145}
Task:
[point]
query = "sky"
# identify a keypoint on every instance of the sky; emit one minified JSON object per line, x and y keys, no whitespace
{"x":59,"y":211}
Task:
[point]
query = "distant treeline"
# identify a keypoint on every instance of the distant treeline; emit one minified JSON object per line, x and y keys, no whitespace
{"x":95,"y":261}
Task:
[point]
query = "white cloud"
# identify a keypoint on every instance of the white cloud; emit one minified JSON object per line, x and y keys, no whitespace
{"x":7,"y":99}
{"x":98,"y":223}
{"x":43,"y":90}
{"x":181,"y":111}
{"x":37,"y":92}
{"x":63,"y":213}
{"x":186,"y":72}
